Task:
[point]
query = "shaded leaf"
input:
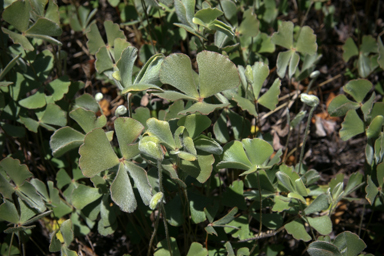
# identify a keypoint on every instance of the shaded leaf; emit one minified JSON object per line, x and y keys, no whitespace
{"x":323,"y":248}
{"x":351,"y":126}
{"x":349,"y":243}
{"x":96,"y":154}
{"x":297,"y":229}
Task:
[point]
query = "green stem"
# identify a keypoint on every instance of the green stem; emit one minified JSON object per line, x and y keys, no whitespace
{"x":361,"y":220}
{"x":305,"y":137}
{"x":10,"y":244}
{"x":160,"y":169}
{"x":150,"y":30}
{"x":153,"y":234}
{"x":261,"y":203}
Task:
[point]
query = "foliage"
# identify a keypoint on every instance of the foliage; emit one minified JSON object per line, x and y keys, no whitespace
{"x":186,"y":144}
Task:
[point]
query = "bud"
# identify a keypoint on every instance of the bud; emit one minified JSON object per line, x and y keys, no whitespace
{"x":155,"y":200}
{"x":120,"y":110}
{"x":249,"y":74}
{"x":310,"y":100}
{"x":99,"y":96}
{"x":314,"y":74}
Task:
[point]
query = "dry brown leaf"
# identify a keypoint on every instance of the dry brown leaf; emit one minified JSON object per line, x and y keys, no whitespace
{"x":104,"y":105}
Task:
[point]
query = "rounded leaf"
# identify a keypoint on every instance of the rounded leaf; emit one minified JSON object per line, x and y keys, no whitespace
{"x":216,"y":73}
{"x":358,"y":89}
{"x":322,"y":248}
{"x":96,"y":154}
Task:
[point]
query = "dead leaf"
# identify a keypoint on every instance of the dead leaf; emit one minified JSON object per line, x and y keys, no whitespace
{"x":104,"y":105}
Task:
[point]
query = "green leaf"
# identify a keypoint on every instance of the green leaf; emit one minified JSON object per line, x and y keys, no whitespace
{"x":374,"y":129}
{"x":249,"y":27}
{"x":8,"y":212}
{"x":201,"y":170}
{"x":368,"y":44}
{"x":125,"y":65}
{"x":87,"y":101}
{"x":271,"y":97}
{"x":380,"y":174}
{"x":103,"y":60}
{"x":340,"y":105}
{"x":323,"y":248}
{"x":284,"y":36}
{"x":197,"y":203}
{"x":306,"y":41}
{"x":220,"y":129}
{"x":197,"y":249}
{"x":54,"y":115}
{"x":150,"y":147}
{"x":67,"y":232}
{"x":296,"y":196}
{"x":371,"y":190}
{"x":227,"y":218}
{"x":122,"y":192}
{"x":195,"y":124}
{"x":208,"y":145}
{"x":229,"y":249}
{"x":177,"y":71}
{"x":163,"y":250}
{"x":87,"y":119}
{"x":44,"y":27}
{"x":162,"y":131}
{"x":113,"y":31}
{"x":96,"y":153}
{"x":351,"y":126}
{"x":59,"y":87}
{"x":139,"y":176}
{"x":125,"y":139}
{"x":174,"y":212}
{"x":64,"y":140}
{"x":17,"y":172}
{"x":6,"y":189}
{"x":257,"y":150}
{"x":95,"y":41}
{"x":233,"y":196}
{"x":297,"y":229}
{"x":285,"y":181}
{"x":84,"y":195}
{"x":29,"y":195}
{"x":319,"y":204}
{"x":260,"y":72}
{"x":37,"y":100}
{"x":281,"y":204}
{"x":9,"y":66}
{"x":294,"y":61}
{"x":355,"y":181}
{"x":149,"y":73}
{"x":239,"y":228}
{"x":380,"y":50}
{"x":203,"y":108}
{"x":208,"y":15}
{"x":350,"y":49}
{"x":234,"y":157}
{"x":226,"y":74}
{"x":283,"y":59}
{"x":17,"y":14}
{"x":270,"y":220}
{"x":349,"y":243}
{"x":245,"y":104}
{"x":322,"y":224}
{"x":358,"y":89}
{"x":185,"y":11}
{"x":19,"y":39}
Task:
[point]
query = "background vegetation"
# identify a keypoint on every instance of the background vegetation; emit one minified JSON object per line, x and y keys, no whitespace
{"x":183,"y":127}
